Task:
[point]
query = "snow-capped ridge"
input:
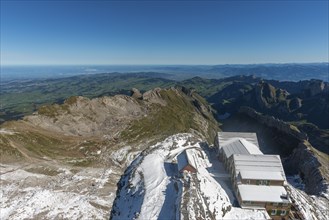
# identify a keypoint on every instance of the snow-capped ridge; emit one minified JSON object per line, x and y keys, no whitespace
{"x":153,"y":188}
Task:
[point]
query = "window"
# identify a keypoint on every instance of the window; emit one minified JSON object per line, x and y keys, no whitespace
{"x":273,"y":212}
{"x":283,"y":212}
{"x":248,"y":182}
{"x":275,"y":203}
{"x":247,"y":202}
{"x":263,"y":182}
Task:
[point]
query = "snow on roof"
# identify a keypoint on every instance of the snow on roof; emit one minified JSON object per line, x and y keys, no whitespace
{"x":224,"y":137}
{"x":268,"y":166}
{"x":185,"y":158}
{"x":261,"y":175}
{"x":262,"y":193}
{"x":240,"y":146}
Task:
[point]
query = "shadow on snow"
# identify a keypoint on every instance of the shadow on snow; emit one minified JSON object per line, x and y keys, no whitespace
{"x":173,"y":193}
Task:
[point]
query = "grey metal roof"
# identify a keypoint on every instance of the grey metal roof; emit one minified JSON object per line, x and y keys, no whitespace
{"x":239,"y":146}
{"x":260,"y":163}
{"x":226,"y":136}
{"x":185,"y":158}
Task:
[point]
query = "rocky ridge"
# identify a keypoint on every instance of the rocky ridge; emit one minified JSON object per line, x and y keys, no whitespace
{"x":87,"y":126}
{"x":57,"y":145}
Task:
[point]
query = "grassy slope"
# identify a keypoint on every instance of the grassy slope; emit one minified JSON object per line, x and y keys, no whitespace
{"x":29,"y":142}
{"x":180,"y":115}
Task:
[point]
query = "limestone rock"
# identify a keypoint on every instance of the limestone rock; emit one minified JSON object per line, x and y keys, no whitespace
{"x":135,"y":93}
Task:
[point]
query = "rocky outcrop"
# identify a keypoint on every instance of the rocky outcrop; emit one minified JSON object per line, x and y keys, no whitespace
{"x":135,"y":93}
{"x":295,"y":103}
{"x":268,"y":96}
{"x":132,"y":116}
{"x":88,"y":117}
{"x":314,"y":87}
{"x":273,"y":122}
{"x":154,"y":96}
{"x":304,"y":162}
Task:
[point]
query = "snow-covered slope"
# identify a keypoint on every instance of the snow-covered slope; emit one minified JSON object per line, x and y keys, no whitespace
{"x":36,"y":192}
{"x":310,"y":207}
{"x":152,"y":187}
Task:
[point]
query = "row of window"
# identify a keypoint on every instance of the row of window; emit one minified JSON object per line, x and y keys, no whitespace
{"x":259,"y":182}
{"x":273,"y":203}
{"x":279,"y":204}
{"x":278,"y":212}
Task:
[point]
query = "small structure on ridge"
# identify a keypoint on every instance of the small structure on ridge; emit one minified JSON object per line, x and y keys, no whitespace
{"x":185,"y":161}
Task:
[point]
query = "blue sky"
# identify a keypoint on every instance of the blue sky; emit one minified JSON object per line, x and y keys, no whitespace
{"x":163,"y":32}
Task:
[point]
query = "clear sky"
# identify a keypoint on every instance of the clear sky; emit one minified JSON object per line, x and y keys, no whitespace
{"x":163,"y":32}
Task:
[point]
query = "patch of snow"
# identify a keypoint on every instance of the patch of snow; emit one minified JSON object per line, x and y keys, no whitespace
{"x":148,"y":190}
{"x":250,"y":214}
{"x":311,"y":207}
{"x":37,"y":200}
{"x":155,"y":181}
{"x":215,"y":195}
{"x":4,"y":131}
{"x":68,"y":195}
{"x":119,"y":155}
{"x":19,"y":175}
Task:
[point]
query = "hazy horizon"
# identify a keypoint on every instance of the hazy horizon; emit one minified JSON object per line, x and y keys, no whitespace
{"x":298,"y":71}
{"x":146,"y":64}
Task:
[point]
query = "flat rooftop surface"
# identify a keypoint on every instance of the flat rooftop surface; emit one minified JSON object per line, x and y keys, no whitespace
{"x":261,"y":175}
{"x":260,"y":193}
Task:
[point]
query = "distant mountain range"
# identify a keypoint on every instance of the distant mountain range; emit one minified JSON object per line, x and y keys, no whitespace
{"x":282,"y":72}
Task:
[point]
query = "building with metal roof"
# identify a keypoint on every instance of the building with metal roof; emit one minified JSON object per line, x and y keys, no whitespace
{"x":239,"y":146}
{"x":223,"y":137}
{"x":185,"y":161}
{"x":236,"y":146}
{"x":258,"y":180}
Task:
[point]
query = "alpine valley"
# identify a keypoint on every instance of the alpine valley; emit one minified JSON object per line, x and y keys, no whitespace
{"x":104,"y":145}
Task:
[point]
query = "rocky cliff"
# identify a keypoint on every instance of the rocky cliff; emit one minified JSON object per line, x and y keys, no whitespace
{"x":305,"y":101}
{"x":274,"y":123}
{"x":306,"y":161}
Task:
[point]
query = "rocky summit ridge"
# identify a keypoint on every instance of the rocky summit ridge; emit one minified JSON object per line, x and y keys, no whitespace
{"x":114,"y":120}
